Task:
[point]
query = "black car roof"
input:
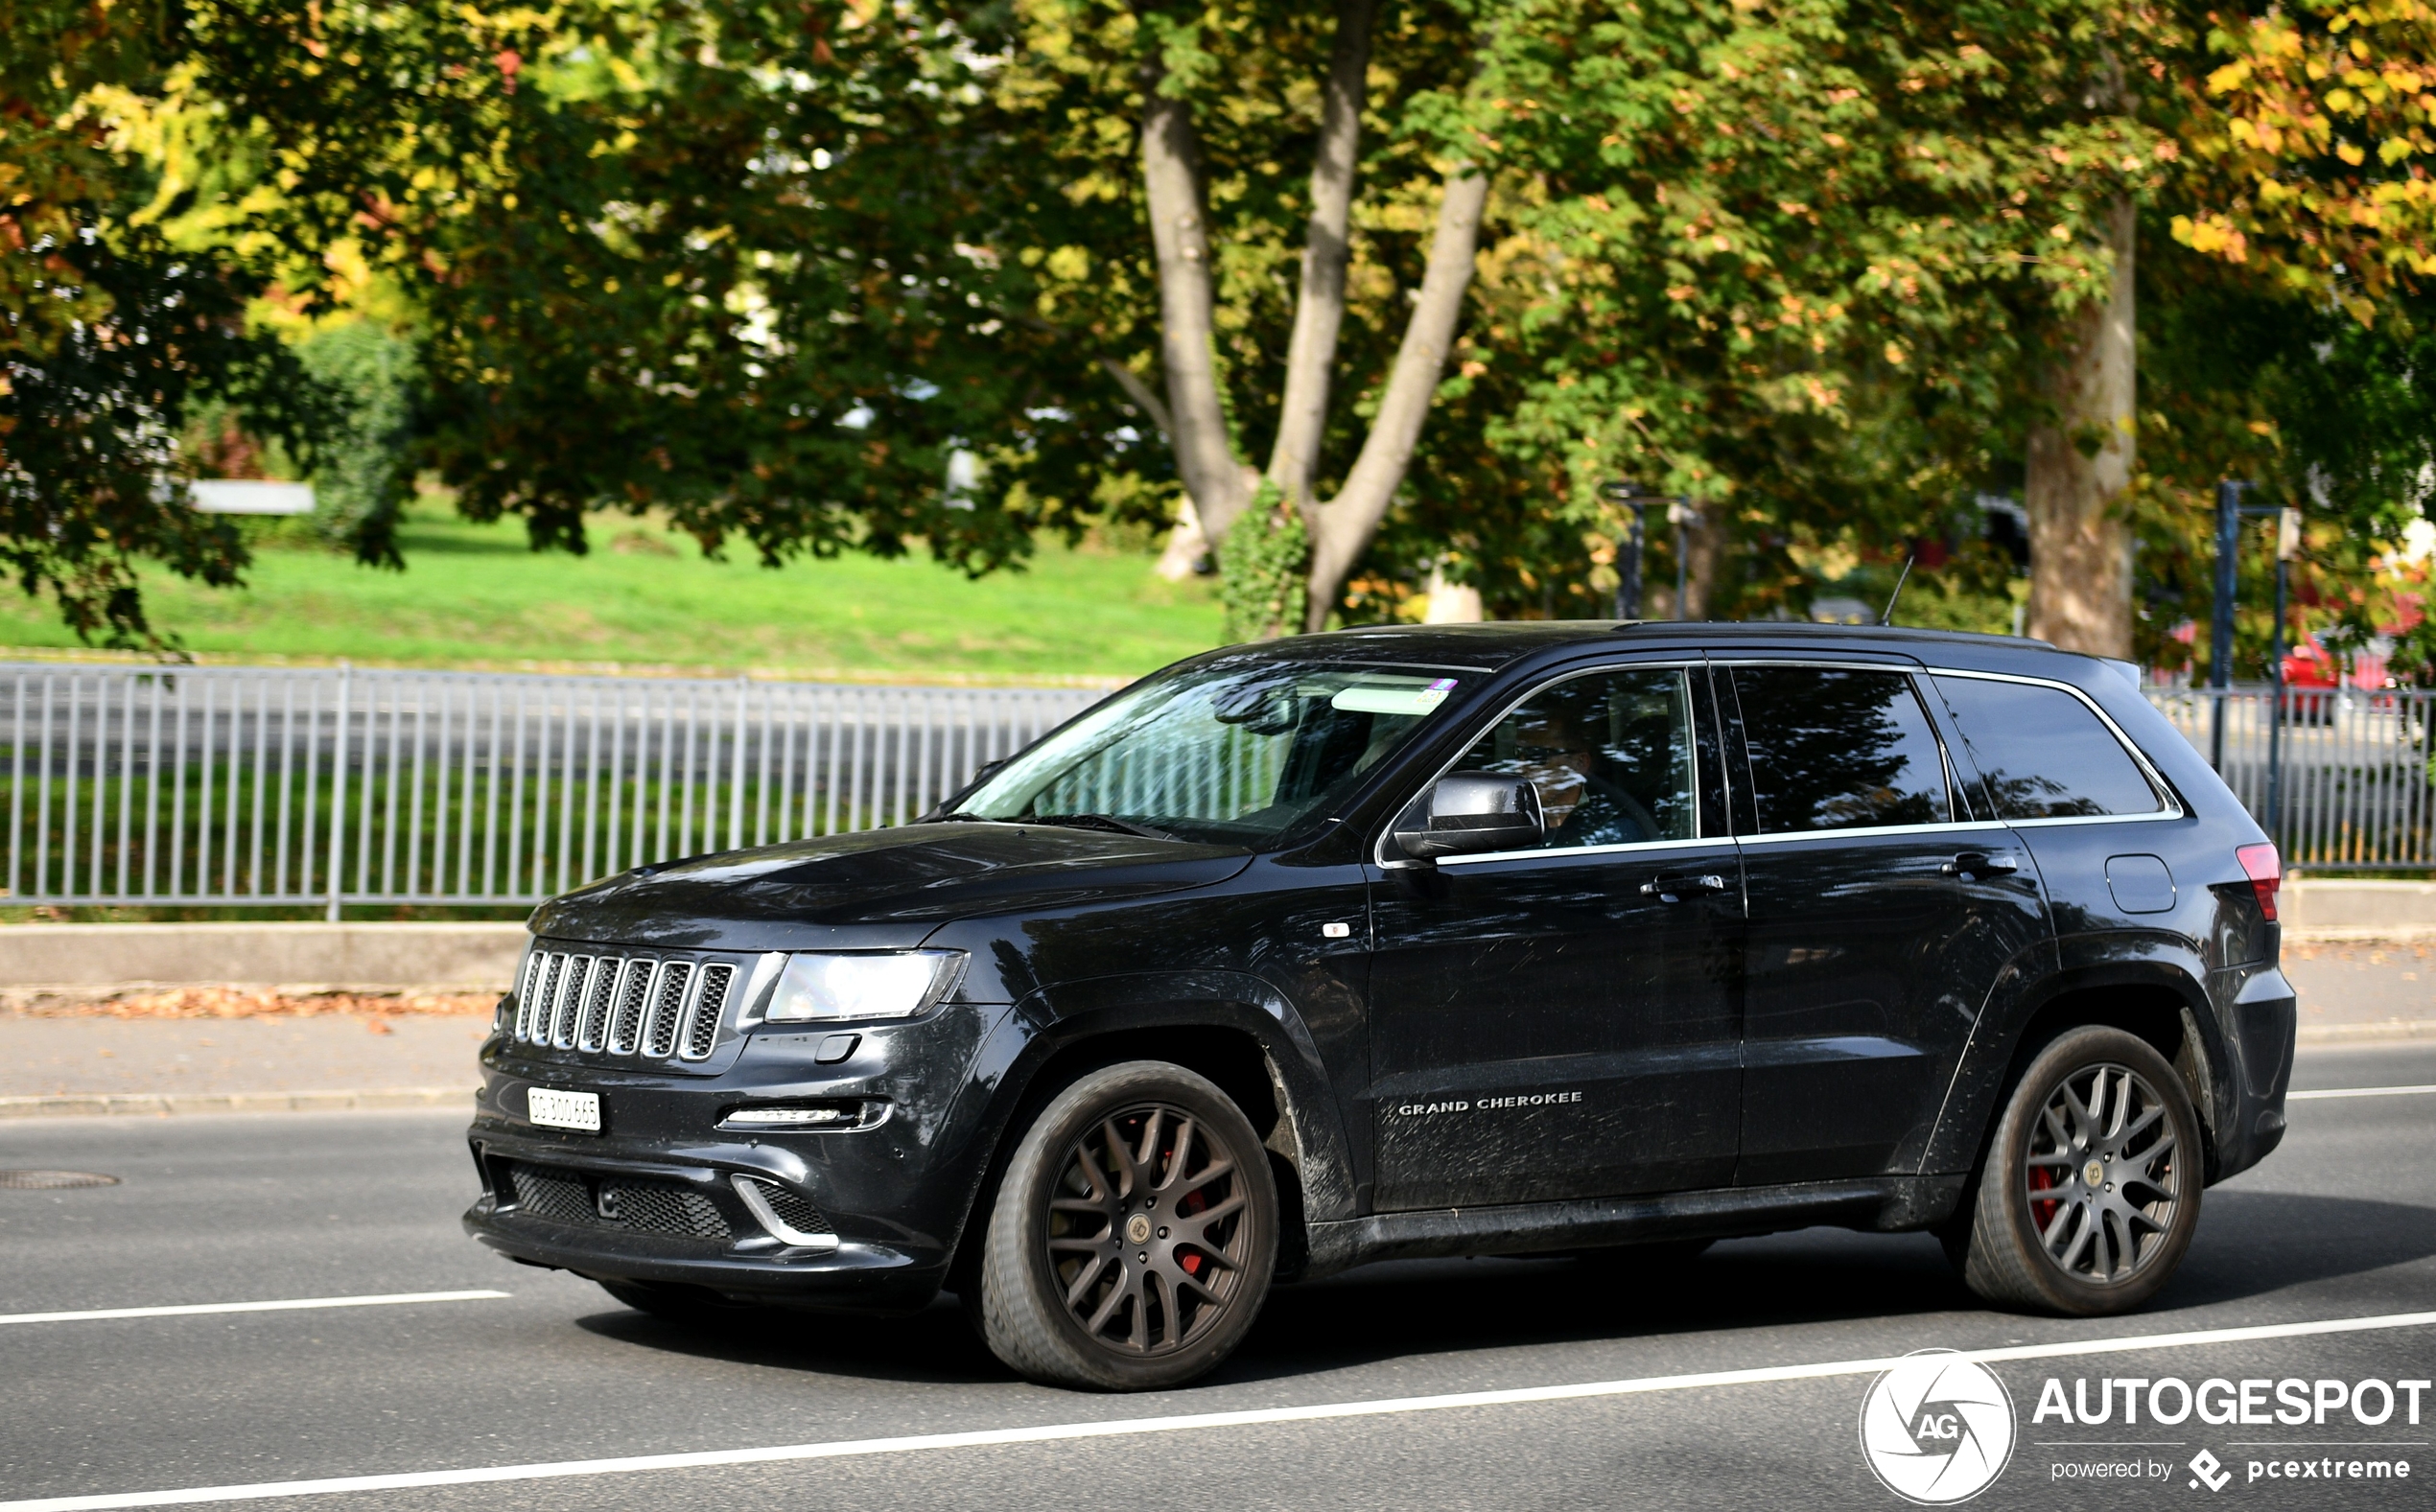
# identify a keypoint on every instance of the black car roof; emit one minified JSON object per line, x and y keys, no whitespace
{"x":1489,"y":646}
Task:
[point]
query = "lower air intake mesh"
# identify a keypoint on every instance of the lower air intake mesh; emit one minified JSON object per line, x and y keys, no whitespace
{"x":617,"y":1201}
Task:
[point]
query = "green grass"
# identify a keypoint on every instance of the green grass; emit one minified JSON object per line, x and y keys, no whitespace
{"x":474,"y":596}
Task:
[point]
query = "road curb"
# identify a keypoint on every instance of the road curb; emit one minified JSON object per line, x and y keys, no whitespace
{"x":98,"y":1104}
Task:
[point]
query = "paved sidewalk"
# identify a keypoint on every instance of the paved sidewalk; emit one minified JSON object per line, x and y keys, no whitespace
{"x":2364,"y":990}
{"x":108,"y":1064}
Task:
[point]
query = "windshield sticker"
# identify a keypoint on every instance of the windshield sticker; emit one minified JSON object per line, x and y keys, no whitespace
{"x":1401,"y":699}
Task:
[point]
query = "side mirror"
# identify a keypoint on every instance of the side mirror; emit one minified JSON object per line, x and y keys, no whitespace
{"x":1470,"y":813}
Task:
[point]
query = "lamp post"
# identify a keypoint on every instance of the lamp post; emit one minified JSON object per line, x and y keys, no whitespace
{"x":2288,"y":546}
{"x":2221,"y":621}
{"x":1631,"y":496}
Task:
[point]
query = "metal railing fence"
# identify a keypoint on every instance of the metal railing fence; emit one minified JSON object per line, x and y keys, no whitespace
{"x":245,"y":787}
{"x":231,"y":787}
{"x":2342,"y":782}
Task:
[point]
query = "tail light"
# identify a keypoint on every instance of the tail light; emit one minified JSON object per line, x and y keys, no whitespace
{"x":2266,"y":871}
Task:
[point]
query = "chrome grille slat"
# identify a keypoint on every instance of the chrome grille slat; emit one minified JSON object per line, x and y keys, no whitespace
{"x":634,"y":995}
{"x":534,"y":961}
{"x":537,"y":1025}
{"x":571,"y":986}
{"x":667,"y":1008}
{"x":591,"y":1020}
{"x":702,"y":1021}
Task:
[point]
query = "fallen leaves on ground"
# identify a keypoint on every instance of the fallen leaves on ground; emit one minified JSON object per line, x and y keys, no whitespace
{"x":231,"y":1002}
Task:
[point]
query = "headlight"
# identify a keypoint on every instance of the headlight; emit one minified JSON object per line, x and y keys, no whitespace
{"x":897,"y":985}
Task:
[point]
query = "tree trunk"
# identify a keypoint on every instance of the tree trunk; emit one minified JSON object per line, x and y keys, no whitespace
{"x":1187,"y":545}
{"x":1342,"y":528}
{"x":1302,"y":419}
{"x":1704,"y":561}
{"x":2079,"y":469}
{"x":1220,"y":486}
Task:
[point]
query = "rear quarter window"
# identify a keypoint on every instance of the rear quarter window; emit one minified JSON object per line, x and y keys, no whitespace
{"x":2044,"y":754}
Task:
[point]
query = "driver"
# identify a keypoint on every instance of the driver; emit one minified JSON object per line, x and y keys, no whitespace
{"x":1581,"y":807}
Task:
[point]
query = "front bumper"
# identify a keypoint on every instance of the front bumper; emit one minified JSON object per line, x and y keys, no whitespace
{"x":866,"y":1218}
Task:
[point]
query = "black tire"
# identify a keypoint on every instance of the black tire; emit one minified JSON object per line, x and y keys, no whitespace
{"x":1145,"y":1275}
{"x":2103,"y":1121}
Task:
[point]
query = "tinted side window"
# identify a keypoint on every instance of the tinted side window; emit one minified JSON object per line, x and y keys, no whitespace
{"x":1839,"y":750}
{"x":1611,"y":754}
{"x":2044,"y":754}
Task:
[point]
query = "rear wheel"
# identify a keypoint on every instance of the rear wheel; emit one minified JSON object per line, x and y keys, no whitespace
{"x":2090,"y":1195}
{"x":1134,"y":1236}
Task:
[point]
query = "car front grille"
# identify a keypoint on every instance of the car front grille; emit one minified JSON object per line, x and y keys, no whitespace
{"x":618,"y":1005}
{"x":635,"y":1203}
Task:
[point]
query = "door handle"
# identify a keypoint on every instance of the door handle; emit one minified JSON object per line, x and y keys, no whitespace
{"x":1675,"y":889}
{"x":1982,"y":863}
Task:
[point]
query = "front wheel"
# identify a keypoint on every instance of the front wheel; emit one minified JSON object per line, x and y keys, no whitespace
{"x":1134,"y":1235}
{"x":2090,"y":1194}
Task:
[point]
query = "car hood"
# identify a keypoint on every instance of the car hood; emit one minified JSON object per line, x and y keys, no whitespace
{"x":880,"y":889}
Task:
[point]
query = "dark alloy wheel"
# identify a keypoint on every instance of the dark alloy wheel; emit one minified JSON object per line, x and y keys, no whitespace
{"x":1134,"y":1235}
{"x":2091,"y":1189}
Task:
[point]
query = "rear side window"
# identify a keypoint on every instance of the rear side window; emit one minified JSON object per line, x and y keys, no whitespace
{"x":2044,"y":754}
{"x":1833,"y":749}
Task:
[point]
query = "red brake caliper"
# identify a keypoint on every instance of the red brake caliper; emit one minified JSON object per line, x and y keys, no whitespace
{"x":1193,"y":1202}
{"x":2042,"y":1179}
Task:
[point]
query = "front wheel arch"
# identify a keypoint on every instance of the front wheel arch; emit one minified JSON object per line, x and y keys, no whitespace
{"x":1232,"y":1058}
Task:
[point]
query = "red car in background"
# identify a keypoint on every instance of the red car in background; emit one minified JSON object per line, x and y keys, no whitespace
{"x":2313,"y":676}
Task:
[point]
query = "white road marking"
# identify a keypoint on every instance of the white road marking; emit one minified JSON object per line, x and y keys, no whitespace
{"x":1057,"y":1432}
{"x":296,"y":1304}
{"x":2362,"y":1091}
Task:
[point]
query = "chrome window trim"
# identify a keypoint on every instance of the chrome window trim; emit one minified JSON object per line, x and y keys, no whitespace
{"x":1379,"y":851}
{"x":1635,"y":846}
{"x":2169,"y":806}
{"x":1791,"y":836}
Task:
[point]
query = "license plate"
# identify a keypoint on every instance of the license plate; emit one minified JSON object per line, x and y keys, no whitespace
{"x":563,"y":1109}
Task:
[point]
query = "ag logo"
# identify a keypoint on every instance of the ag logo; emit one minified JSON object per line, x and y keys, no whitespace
{"x":1937,"y":1429}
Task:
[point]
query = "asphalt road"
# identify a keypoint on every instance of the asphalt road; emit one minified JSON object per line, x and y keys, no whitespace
{"x":2338,"y":1225}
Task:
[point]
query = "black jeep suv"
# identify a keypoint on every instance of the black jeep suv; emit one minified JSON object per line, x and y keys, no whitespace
{"x":1412,"y":942}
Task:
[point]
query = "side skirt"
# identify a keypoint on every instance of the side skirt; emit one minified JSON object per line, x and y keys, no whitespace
{"x":1883,"y":1204}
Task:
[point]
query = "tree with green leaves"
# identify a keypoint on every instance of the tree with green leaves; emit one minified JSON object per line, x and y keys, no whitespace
{"x":110,"y":333}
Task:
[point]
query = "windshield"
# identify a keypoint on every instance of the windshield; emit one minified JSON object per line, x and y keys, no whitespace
{"x":1233,"y":753}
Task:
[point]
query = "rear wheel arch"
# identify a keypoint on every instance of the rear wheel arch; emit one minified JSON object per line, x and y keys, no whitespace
{"x":2164,"y":1009}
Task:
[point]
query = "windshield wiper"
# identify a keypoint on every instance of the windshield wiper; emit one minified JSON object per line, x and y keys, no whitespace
{"x":959,"y":818}
{"x":1121,"y":827}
